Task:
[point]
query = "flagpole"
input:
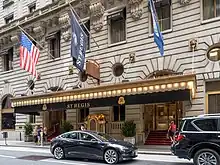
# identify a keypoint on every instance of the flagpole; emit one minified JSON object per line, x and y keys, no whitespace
{"x":75,"y":13}
{"x":34,"y":40}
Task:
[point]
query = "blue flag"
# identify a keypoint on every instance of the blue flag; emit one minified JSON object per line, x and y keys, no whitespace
{"x":78,"y":43}
{"x":158,"y":38}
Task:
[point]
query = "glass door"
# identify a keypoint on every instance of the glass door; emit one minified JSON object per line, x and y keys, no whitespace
{"x":162,"y":120}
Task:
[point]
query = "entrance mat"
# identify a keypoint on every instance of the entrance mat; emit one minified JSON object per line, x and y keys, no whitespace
{"x":34,"y":157}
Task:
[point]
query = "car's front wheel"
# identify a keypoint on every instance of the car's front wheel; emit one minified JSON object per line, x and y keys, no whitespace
{"x":58,"y":153}
{"x":111,"y":156}
{"x":206,"y":156}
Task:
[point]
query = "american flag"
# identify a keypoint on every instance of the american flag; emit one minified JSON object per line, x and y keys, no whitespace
{"x":29,"y":55}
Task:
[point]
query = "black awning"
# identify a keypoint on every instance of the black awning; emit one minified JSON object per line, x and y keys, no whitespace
{"x":148,"y":98}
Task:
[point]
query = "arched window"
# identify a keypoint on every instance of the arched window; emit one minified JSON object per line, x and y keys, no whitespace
{"x":8,"y":116}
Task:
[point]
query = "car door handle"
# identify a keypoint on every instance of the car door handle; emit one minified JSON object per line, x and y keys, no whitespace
{"x":81,"y":143}
{"x":218,"y":136}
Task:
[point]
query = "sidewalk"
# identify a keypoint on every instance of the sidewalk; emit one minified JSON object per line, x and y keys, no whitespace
{"x":142,"y":149}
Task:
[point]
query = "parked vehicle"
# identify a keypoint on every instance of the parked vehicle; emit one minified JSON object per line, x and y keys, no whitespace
{"x":92,"y":145}
{"x":198,"y":138}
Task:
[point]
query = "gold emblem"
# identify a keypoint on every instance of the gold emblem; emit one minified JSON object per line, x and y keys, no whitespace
{"x":44,"y":108}
{"x":121,"y":100}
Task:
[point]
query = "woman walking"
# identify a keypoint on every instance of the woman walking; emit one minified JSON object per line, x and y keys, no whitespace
{"x":172,"y":130}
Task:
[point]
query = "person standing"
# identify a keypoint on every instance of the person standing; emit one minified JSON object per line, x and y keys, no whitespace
{"x":172,"y":130}
{"x":35,"y":134}
{"x":82,"y":127}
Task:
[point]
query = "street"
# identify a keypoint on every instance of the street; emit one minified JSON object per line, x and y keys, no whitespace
{"x":37,"y":156}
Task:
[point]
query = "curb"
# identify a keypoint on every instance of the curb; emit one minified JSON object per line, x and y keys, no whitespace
{"x":48,"y":147}
{"x":40,"y":147}
{"x":154,"y":153}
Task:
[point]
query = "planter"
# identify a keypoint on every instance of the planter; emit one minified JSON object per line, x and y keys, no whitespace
{"x":130,"y":139}
{"x":28,"y":138}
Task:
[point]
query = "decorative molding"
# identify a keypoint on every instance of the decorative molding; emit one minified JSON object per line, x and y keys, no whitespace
{"x":184,"y":2}
{"x":66,"y":34}
{"x":40,"y":30}
{"x":97,"y":11}
{"x":136,"y":8}
{"x":193,"y":44}
{"x":53,"y":22}
{"x":64,"y":22}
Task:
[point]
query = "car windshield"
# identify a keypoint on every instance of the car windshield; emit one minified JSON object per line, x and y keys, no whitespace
{"x":105,"y":137}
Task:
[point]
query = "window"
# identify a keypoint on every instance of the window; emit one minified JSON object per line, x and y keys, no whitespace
{"x":32,"y":119}
{"x":214,"y":103}
{"x":9,"y":19}
{"x":213,"y":52}
{"x":7,"y":3}
{"x":70,"y":135}
{"x":189,"y":127}
{"x":87,"y":25}
{"x":83,"y":113}
{"x":54,"y":45}
{"x":8,"y":60}
{"x":211,"y":9}
{"x":8,"y":121}
{"x":163,"y":9}
{"x":87,"y":137}
{"x":117,"y":27}
{"x":119,"y":113}
{"x":207,"y":124}
{"x":32,"y":8}
{"x":8,"y":117}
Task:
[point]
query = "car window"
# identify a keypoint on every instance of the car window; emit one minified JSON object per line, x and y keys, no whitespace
{"x":72,"y":135}
{"x":87,"y":137}
{"x":207,"y":124}
{"x":189,"y":127}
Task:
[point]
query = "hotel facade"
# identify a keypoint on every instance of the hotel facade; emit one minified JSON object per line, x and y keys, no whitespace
{"x":125,"y":77}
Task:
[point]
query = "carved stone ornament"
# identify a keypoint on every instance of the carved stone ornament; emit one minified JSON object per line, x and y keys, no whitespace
{"x":66,"y":34}
{"x":64,"y":21}
{"x":97,"y":11}
{"x":184,"y":2}
{"x":136,"y":8}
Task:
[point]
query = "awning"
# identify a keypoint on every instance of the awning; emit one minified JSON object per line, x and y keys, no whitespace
{"x":169,"y":88}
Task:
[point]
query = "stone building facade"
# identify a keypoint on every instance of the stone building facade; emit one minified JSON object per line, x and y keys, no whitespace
{"x":121,"y":42}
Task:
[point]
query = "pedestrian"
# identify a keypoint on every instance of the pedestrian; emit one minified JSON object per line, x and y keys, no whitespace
{"x":35,"y":134}
{"x":45,"y":134}
{"x":171,"y":130}
{"x":38,"y":135}
{"x":82,"y":127}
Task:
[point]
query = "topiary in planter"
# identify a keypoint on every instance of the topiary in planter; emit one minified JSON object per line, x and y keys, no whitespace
{"x":66,"y":127}
{"x":28,"y":129}
{"x":128,"y":129}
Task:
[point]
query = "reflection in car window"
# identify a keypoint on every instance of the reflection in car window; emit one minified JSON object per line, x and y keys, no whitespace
{"x":72,"y":135}
{"x":105,"y":137}
{"x":207,"y":124}
{"x":87,"y":137}
{"x":189,"y":127}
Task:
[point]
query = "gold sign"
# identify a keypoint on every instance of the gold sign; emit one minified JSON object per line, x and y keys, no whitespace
{"x":78,"y":105}
{"x":121,"y":100}
{"x":44,"y":108}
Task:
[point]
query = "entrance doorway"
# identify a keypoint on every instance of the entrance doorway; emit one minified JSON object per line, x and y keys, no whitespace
{"x":158,"y":116}
{"x":54,"y":120}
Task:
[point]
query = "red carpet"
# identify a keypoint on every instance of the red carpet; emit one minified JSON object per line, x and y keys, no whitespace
{"x":157,"y":138}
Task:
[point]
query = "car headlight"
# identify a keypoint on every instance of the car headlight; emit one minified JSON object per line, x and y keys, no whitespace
{"x":123,"y":148}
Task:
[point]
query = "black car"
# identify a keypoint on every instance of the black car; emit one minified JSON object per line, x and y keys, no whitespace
{"x":92,"y":145}
{"x":199,"y":139}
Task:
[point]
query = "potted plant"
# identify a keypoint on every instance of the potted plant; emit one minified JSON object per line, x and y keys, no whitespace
{"x":28,"y":129}
{"x":66,"y":126}
{"x":128,"y":130}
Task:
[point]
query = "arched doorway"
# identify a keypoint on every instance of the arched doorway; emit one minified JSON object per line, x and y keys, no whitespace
{"x":7,"y":113}
{"x":158,"y":116}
